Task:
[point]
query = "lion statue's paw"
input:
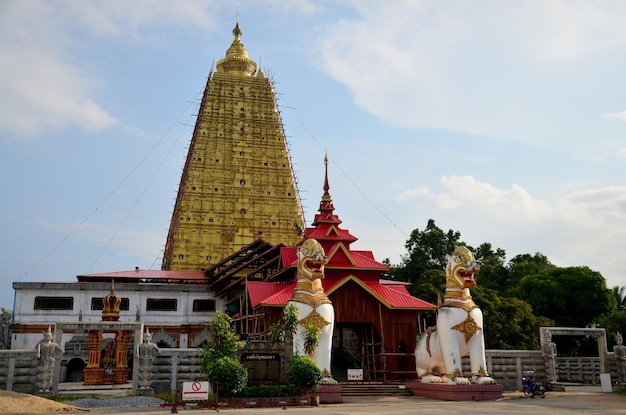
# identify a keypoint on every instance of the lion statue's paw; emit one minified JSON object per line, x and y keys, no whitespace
{"x":431,"y":379}
{"x":459,"y":380}
{"x":484,"y":380}
{"x":328,"y":380}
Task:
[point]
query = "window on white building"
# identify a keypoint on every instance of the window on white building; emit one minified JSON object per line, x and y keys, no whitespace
{"x":161,"y":304}
{"x":54,"y":303}
{"x":203,"y":305}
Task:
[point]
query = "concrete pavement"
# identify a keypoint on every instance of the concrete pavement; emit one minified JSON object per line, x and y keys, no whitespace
{"x":555,"y":403}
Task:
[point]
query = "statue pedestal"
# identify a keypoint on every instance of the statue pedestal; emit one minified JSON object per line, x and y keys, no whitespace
{"x":450,"y":392}
{"x":120,"y":374}
{"x":328,"y":394}
{"x":95,"y":376}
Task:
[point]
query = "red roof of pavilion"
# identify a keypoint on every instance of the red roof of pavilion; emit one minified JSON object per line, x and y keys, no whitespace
{"x":393,"y":295}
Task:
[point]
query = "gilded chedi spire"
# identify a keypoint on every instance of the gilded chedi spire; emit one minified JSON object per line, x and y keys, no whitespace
{"x":237,"y":61}
{"x":237,"y":184}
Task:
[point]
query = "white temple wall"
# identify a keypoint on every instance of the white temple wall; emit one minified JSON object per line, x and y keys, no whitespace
{"x":29,"y":321}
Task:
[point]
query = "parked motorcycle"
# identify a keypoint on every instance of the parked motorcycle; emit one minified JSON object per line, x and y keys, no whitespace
{"x":531,"y":386}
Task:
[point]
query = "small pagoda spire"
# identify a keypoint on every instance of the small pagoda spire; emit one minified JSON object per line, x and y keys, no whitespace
{"x":326,"y":186}
{"x":326,"y":208}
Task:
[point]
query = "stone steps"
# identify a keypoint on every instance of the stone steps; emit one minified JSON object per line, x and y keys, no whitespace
{"x":100,"y":391}
{"x":374,"y":389}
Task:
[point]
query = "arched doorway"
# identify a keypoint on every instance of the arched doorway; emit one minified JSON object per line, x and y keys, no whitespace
{"x":75,"y":368}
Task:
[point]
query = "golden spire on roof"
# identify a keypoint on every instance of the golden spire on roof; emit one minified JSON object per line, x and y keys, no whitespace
{"x":237,"y":60}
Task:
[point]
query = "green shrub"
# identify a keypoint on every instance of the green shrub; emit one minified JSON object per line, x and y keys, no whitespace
{"x":230,"y":375}
{"x":269,"y":391}
{"x":305,"y":375}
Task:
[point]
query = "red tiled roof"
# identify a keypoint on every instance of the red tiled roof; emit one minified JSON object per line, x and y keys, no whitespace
{"x":288,"y":256}
{"x":279,"y":298}
{"x":330,"y":232}
{"x":365,"y":259}
{"x":261,"y":291}
{"x":147,"y":274}
{"x":393,"y":296}
{"x":338,"y":258}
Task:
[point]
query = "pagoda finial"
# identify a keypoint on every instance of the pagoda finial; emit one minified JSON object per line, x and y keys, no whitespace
{"x":237,"y":60}
{"x":326,"y":185}
{"x":326,"y":204}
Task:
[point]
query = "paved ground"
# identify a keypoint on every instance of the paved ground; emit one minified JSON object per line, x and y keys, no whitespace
{"x":556,"y":403}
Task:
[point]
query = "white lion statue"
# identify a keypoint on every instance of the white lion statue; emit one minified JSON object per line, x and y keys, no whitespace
{"x":314,"y":307}
{"x":459,"y":329}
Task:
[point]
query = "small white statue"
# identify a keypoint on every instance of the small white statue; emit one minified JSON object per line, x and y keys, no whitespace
{"x":146,"y":352}
{"x":47,"y":353}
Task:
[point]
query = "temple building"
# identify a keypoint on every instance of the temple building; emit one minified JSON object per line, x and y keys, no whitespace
{"x":231,"y":246}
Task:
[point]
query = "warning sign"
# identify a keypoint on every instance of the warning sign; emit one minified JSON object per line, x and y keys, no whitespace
{"x":195,"y":391}
{"x":355,"y":374}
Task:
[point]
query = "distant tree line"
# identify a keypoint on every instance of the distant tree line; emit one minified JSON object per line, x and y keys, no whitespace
{"x":519,"y":296}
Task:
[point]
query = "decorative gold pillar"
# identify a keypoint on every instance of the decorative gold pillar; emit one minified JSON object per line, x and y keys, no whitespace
{"x":94,"y":343}
{"x":122,"y":340}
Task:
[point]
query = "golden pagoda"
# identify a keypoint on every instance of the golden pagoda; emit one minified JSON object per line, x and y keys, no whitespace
{"x":237,"y":184}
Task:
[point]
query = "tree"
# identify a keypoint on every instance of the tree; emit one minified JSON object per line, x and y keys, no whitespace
{"x":305,"y":374}
{"x":430,"y":286}
{"x":620,"y":297}
{"x":426,"y":250}
{"x":217,"y":358}
{"x":5,"y":322}
{"x":523,"y":265}
{"x":572,"y":296}
{"x":509,"y":323}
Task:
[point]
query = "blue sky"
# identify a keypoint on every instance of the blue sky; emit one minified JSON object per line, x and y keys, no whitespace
{"x":505,"y":121}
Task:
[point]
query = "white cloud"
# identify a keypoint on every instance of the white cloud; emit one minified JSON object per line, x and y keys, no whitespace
{"x":44,"y":84}
{"x":498,"y":69}
{"x":617,"y":115}
{"x":42,"y":87}
{"x":584,"y":227}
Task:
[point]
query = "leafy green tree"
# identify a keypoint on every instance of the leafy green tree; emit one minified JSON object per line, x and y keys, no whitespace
{"x":523,"y":265}
{"x":217,"y":358}
{"x":508,"y":322}
{"x":572,"y":296}
{"x":311,"y":339}
{"x":430,"y":286}
{"x":426,"y":250}
{"x":613,"y":323}
{"x":5,"y":321}
{"x":305,"y":374}
{"x":230,"y":375}
{"x":620,"y":297}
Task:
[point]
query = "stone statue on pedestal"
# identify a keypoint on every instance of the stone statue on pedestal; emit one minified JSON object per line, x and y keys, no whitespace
{"x":619,"y":351}
{"x":146,"y":352}
{"x":548,"y":351}
{"x":47,"y":353}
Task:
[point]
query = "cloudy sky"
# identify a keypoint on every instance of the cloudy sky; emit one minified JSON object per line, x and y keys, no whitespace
{"x":505,"y":121}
